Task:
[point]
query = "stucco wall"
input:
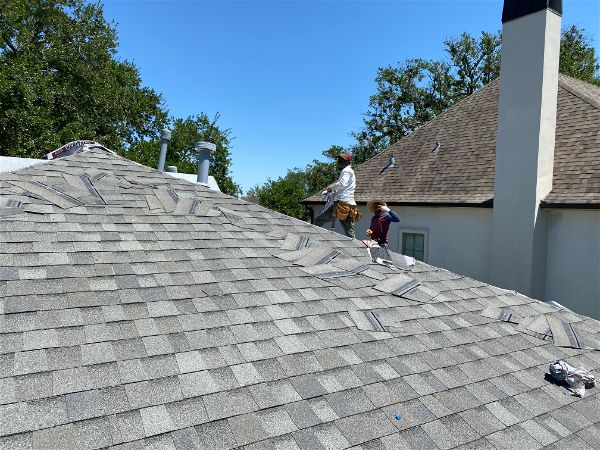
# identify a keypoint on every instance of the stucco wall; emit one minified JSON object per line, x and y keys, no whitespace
{"x":573,"y":260}
{"x":457,"y":239}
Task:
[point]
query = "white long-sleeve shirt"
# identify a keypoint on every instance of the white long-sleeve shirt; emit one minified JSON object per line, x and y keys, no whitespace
{"x":344,"y":187}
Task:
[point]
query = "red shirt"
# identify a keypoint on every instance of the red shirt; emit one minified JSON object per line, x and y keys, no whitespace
{"x":380,"y":224}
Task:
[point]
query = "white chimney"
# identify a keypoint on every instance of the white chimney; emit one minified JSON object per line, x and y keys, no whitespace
{"x":525,"y":142}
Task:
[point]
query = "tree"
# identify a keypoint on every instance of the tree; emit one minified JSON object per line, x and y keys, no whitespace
{"x":414,"y":92}
{"x":60,"y":80}
{"x":578,"y":56}
{"x":185,"y":133}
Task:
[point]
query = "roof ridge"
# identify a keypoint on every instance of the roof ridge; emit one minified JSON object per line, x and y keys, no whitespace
{"x":564,"y":80}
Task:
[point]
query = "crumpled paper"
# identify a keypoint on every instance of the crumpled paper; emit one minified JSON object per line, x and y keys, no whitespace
{"x":578,"y":378}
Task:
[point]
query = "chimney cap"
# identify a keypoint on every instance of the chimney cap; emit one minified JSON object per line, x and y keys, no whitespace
{"x":513,"y":9}
{"x":201,"y":145}
{"x":172,"y":169}
{"x":165,"y":134}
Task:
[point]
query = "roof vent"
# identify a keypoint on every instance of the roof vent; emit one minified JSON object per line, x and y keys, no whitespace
{"x":165,"y":137}
{"x":204,"y":149}
{"x":391,"y":163}
{"x":172,"y":169}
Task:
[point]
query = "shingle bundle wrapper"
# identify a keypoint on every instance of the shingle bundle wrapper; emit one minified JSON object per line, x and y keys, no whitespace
{"x":578,"y":378}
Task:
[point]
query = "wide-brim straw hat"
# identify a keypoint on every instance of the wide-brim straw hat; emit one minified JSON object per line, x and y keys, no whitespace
{"x":372,"y":203}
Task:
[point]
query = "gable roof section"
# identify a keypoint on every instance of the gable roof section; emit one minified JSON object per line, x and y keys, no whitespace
{"x":462,"y":172}
{"x":142,"y":311}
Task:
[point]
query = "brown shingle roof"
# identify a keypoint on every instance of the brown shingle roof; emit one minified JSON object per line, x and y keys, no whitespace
{"x":462,"y":172}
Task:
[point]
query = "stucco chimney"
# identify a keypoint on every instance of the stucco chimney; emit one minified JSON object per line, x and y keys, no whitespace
{"x":525,"y":142}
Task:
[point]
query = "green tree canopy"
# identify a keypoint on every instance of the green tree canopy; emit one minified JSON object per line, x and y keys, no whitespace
{"x":60,"y":80}
{"x":412,"y":93}
{"x":185,"y":133}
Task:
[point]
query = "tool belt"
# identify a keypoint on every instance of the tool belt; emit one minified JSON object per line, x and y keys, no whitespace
{"x":343,"y":210}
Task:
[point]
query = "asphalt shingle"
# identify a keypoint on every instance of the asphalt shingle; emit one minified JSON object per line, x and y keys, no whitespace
{"x":181,"y":331}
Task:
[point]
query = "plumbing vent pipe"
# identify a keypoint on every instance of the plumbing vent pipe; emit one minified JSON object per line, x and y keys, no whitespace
{"x":204,"y":150}
{"x":165,"y":137}
{"x":172,"y":169}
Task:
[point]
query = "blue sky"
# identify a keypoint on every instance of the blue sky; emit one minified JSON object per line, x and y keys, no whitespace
{"x":291,"y":78}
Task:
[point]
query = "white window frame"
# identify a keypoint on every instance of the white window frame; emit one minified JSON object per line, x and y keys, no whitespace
{"x":423,"y":231}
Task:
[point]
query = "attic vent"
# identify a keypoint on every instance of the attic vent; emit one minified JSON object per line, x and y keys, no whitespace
{"x":391,"y":163}
{"x":366,"y":320}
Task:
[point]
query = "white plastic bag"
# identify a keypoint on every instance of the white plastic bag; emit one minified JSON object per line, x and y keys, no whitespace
{"x":578,"y":378}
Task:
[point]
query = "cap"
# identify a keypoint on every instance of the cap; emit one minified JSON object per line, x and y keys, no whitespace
{"x":345,"y":156}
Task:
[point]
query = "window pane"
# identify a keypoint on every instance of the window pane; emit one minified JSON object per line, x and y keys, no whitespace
{"x":413,"y":244}
{"x":419,"y":244}
{"x":407,"y":243}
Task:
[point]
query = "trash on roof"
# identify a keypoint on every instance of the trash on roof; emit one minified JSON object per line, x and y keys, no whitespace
{"x":366,"y":320}
{"x":577,"y":378}
{"x":436,"y":147}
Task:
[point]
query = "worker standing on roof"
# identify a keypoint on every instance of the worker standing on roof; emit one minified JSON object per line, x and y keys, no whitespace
{"x":344,"y":207}
{"x":380,"y":222}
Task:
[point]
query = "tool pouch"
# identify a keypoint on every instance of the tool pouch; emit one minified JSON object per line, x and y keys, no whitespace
{"x":342,"y":211}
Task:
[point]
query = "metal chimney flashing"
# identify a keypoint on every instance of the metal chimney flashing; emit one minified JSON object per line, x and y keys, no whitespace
{"x":513,"y":9}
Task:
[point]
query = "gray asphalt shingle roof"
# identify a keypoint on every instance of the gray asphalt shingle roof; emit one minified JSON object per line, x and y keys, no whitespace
{"x":463,"y":170}
{"x":142,"y":311}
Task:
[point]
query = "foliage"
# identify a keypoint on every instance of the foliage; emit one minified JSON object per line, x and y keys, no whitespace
{"x":185,"y":133}
{"x":578,"y":56}
{"x":414,"y":92}
{"x":60,"y":80}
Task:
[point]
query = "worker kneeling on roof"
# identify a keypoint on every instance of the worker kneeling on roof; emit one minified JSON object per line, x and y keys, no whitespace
{"x":343,"y":207}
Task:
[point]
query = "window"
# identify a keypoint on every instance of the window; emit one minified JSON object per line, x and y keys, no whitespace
{"x":413,"y":244}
